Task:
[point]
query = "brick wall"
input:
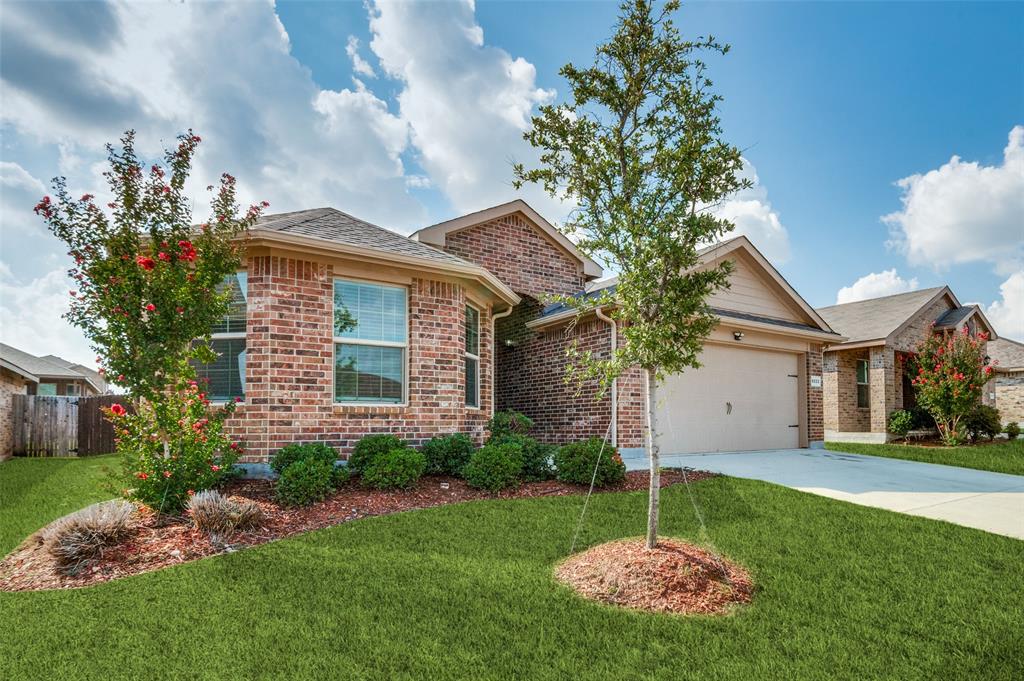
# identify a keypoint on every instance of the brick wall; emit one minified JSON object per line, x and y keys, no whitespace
{"x":815,"y":396}
{"x":839,"y":394}
{"x":909,"y":338}
{"x":1009,"y":389}
{"x":290,"y":357}
{"x":10,"y":384}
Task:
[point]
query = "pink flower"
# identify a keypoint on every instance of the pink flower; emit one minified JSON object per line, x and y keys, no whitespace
{"x":163,"y":256}
{"x":117,"y":409}
{"x":238,"y":399}
{"x":151,"y":307}
{"x":214,"y":468}
{"x":145,"y":262}
{"x":167,"y":474}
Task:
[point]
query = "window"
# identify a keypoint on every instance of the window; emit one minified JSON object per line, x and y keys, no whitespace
{"x":863,"y":388}
{"x":226,"y":374}
{"x":47,"y":389}
{"x":72,"y":390}
{"x":370,"y":340}
{"x":472,"y":324}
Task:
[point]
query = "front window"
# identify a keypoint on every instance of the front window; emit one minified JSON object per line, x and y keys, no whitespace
{"x":370,"y":343}
{"x":472,"y":324}
{"x":226,"y":375}
{"x":73,"y":390}
{"x":47,"y":389}
{"x":863,"y":388}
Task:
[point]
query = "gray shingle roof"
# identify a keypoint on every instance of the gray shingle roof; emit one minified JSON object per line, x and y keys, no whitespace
{"x":876,"y":318}
{"x":1009,"y":354}
{"x":955,"y":317}
{"x":333,"y":225}
{"x":37,"y":366}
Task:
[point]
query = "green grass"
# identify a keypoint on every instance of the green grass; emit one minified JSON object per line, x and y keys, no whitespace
{"x":466,"y":591}
{"x":1000,"y":457}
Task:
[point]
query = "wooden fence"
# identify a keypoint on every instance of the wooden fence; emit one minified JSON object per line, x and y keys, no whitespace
{"x":62,"y":426}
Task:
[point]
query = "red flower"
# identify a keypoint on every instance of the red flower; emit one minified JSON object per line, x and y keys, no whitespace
{"x":167,"y":474}
{"x":179,"y":309}
{"x":117,"y":409}
{"x":163,"y":256}
{"x":238,"y":399}
{"x":214,"y":468}
{"x":86,"y":197}
{"x":145,"y":262}
{"x":988,"y":371}
{"x":191,"y":492}
{"x":141,"y":476}
{"x":151,"y":307}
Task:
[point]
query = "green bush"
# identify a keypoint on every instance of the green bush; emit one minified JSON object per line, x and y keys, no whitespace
{"x":295,"y":451}
{"x":575,"y":463}
{"x":920,"y":419}
{"x":900,"y":423}
{"x":398,"y":469}
{"x":537,"y":457}
{"x":1012,"y":430}
{"x":494,"y":467}
{"x":447,"y":454}
{"x":983,"y":422}
{"x":509,"y":422}
{"x":304,"y":482}
{"x":369,"y":448}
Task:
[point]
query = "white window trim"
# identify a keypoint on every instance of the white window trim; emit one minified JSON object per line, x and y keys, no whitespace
{"x":470,"y":355}
{"x":867,"y":381}
{"x":362,"y":341}
{"x":234,"y":335}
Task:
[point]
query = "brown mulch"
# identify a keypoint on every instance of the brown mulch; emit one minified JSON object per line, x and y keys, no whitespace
{"x":160,"y":542}
{"x":674,"y":577}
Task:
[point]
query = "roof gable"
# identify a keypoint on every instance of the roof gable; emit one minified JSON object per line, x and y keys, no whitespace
{"x":876,"y":319}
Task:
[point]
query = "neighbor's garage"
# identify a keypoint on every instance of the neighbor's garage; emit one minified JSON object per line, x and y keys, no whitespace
{"x":740,"y":399}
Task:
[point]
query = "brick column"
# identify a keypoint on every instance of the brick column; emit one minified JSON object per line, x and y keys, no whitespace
{"x":815,"y":397}
{"x":883,"y":387}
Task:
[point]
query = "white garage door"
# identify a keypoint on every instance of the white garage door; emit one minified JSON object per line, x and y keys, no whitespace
{"x":739,"y":400}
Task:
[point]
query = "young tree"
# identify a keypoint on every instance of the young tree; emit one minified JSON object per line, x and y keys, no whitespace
{"x":639,"y":150}
{"x":147,"y":289}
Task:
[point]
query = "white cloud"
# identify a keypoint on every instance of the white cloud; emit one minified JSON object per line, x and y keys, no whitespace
{"x":30,"y":316}
{"x":1007,"y":313}
{"x":752,"y":214}
{"x":359,"y":65}
{"x":875,"y":285}
{"x":964,"y":212}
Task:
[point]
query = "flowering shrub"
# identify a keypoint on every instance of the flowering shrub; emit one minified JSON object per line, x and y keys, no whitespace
{"x":951,"y":374}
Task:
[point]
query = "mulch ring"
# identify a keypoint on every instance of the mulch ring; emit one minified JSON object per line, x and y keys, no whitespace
{"x":162,"y":541}
{"x":674,"y":577}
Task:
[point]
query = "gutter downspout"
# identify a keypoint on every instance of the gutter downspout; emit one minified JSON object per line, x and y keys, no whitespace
{"x":615,"y":381}
{"x":494,"y":352}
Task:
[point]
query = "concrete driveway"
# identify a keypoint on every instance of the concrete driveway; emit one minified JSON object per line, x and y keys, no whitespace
{"x":988,"y":501}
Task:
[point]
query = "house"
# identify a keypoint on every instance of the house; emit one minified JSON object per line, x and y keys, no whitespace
{"x":340,"y":328}
{"x":1008,"y":384}
{"x":866,"y":377}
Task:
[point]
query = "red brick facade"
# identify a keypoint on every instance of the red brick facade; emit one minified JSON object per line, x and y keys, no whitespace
{"x":290,"y":357}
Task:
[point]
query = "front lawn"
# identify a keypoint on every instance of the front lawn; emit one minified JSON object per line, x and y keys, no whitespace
{"x":1000,"y":457}
{"x":466,"y":591}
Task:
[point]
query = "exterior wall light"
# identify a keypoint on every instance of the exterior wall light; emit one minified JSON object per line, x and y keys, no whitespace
{"x":738,"y":335}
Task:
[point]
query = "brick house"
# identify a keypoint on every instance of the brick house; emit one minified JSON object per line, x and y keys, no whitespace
{"x":1007,"y":389}
{"x":340,"y":328}
{"x":866,"y":376}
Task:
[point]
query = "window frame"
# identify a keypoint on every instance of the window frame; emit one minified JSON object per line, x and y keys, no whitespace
{"x":866,"y":382}
{"x":342,"y":340}
{"x":470,"y":356}
{"x":235,"y":335}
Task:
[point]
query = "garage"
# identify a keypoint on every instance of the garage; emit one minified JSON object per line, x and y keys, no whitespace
{"x":741,"y":399}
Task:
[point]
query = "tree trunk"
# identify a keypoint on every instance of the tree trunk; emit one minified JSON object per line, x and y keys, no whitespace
{"x":651,"y":394}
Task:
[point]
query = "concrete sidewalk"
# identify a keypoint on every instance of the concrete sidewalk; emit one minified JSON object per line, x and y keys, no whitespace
{"x":988,"y":501}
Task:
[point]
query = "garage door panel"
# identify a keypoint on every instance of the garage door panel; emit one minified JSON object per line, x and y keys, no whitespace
{"x":740,"y":399}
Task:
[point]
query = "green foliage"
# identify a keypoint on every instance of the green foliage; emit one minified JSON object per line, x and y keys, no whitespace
{"x":1012,"y":430}
{"x":920,"y":418}
{"x":304,"y":483}
{"x":494,"y":467}
{"x":509,"y":422}
{"x":398,"y":469}
{"x":951,"y":373}
{"x":575,"y":463}
{"x":447,"y":454}
{"x":369,"y":448}
{"x":295,"y":451}
{"x":537,"y":457}
{"x":900,"y":423}
{"x":983,"y":422}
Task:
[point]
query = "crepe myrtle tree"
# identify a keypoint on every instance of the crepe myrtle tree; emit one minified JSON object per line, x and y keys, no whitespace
{"x":638,"y":149}
{"x":148,"y":288}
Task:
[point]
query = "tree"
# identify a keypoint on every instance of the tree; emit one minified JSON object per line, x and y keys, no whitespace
{"x":148,"y":284}
{"x":639,"y":150}
{"x":951,"y":375}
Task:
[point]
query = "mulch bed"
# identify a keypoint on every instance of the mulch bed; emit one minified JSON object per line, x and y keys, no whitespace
{"x":674,"y":577}
{"x":160,"y":541}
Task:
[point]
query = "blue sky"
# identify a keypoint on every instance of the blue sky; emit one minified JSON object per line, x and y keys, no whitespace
{"x":833,"y":103}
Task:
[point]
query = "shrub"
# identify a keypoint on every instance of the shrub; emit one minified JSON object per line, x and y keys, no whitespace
{"x":509,"y":422}
{"x":575,"y":463}
{"x":218,"y":516}
{"x":398,"y":469}
{"x":83,"y":535}
{"x":291,"y":453}
{"x":369,"y":448}
{"x":983,"y":421}
{"x":920,"y":418}
{"x":1012,"y":430}
{"x":447,"y":454}
{"x":340,"y":475}
{"x":900,"y":423}
{"x":537,"y":457}
{"x":304,"y":482}
{"x":494,"y":467}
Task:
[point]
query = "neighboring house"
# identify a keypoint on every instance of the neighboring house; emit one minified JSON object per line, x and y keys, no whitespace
{"x":866,"y":376}
{"x":1009,"y":381}
{"x":340,"y":328}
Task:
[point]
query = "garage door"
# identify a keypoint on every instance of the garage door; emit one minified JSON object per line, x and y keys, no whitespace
{"x":740,"y":400}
